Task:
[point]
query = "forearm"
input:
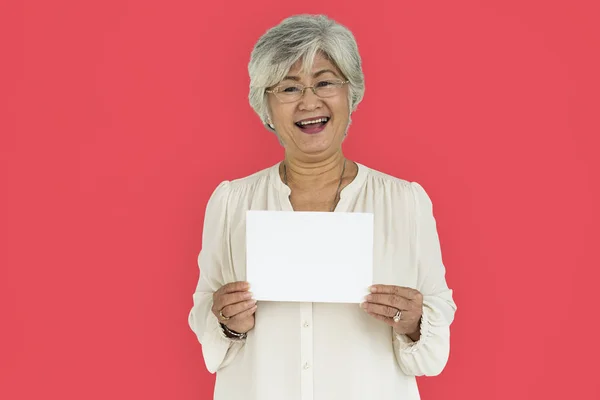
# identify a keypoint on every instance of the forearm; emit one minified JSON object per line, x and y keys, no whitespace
{"x":428,"y":354}
{"x":218,"y":349}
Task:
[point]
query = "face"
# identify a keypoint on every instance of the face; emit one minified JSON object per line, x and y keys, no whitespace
{"x":310,"y":141}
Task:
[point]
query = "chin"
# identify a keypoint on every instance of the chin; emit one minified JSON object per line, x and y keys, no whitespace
{"x":316,"y":145}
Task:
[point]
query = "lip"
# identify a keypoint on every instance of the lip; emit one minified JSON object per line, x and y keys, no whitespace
{"x":311,"y":118}
{"x":313,"y":130}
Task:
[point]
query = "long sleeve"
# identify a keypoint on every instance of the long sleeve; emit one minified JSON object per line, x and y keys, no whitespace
{"x":429,"y":355}
{"x":215,"y":271}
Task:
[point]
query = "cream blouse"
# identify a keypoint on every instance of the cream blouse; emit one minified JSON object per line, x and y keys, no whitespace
{"x":319,"y":351}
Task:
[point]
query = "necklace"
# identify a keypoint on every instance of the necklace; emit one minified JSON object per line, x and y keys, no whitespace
{"x":337,"y":192}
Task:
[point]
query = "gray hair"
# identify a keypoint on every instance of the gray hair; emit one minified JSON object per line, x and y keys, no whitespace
{"x":302,"y":37}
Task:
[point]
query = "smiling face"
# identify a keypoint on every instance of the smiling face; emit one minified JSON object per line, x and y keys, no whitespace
{"x":312,"y":127}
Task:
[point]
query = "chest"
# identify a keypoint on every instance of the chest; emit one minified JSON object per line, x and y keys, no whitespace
{"x":394,"y":241}
{"x":323,"y":199}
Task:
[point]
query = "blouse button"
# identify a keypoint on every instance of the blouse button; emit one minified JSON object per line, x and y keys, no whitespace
{"x":305,"y":324}
{"x":306,"y":366}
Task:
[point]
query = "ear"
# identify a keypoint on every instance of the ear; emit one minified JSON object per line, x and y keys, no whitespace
{"x":270,"y":123}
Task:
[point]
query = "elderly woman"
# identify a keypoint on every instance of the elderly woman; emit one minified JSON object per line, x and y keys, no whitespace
{"x":306,"y":80}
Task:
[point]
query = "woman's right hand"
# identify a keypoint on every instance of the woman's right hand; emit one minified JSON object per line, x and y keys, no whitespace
{"x":234,"y":307}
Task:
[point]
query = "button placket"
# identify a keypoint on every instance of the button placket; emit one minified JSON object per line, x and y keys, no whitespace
{"x":306,"y":351}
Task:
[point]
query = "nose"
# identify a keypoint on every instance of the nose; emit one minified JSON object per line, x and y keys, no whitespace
{"x":309,"y":100}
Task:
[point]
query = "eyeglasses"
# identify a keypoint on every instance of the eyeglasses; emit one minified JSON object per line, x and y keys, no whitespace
{"x":291,"y":92}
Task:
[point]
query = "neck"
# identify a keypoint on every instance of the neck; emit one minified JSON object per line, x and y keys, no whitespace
{"x":314,"y":174}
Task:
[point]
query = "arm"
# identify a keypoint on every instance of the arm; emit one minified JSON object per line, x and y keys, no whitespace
{"x":215,"y":266}
{"x":429,"y":354}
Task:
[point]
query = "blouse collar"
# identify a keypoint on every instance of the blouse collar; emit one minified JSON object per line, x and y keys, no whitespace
{"x":345,"y":193}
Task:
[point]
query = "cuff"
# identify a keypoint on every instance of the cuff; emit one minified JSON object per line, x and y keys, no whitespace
{"x":406,"y":344}
{"x":214,"y":344}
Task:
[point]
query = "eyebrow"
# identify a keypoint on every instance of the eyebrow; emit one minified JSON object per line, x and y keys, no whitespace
{"x":315,"y":75}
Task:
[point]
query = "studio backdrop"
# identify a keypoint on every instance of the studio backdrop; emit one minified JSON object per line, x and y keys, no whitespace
{"x":119,"y":118}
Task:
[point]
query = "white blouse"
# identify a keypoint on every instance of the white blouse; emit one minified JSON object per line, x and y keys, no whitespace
{"x":322,"y":351}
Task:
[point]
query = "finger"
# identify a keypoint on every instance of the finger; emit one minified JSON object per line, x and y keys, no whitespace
{"x":232,"y":287}
{"x":384,"y":311}
{"x":247,"y":313}
{"x":228,"y":299}
{"x":391,"y":300}
{"x":234,"y":310}
{"x":409,"y":293}
{"x":388,"y":321}
{"x":243,"y":315}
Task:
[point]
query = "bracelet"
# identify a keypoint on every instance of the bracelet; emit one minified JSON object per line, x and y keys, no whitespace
{"x":232,"y":334}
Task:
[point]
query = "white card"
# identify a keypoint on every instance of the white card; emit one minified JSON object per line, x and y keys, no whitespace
{"x":309,"y":256}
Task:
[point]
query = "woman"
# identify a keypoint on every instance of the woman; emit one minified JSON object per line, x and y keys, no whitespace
{"x":306,"y":80}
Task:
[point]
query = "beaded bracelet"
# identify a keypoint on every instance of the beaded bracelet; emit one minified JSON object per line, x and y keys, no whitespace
{"x":232,"y":334}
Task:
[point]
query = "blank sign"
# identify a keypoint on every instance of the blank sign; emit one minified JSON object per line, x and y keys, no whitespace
{"x":309,"y":256}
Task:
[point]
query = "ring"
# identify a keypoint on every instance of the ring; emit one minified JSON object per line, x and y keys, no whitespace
{"x":398,"y":316}
{"x":223,"y":317}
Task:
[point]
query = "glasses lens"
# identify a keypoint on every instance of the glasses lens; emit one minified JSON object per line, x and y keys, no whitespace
{"x":289,"y":92}
{"x":328,"y":88}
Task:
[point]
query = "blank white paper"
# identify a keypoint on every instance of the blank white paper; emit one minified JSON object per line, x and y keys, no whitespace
{"x":309,"y":256}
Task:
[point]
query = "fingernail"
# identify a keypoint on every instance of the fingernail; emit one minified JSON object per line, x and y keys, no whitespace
{"x":363,"y":306}
{"x":373,"y":289}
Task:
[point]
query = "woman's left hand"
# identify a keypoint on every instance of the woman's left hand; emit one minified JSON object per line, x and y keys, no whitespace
{"x":386,"y":302}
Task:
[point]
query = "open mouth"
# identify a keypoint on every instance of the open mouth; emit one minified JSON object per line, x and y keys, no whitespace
{"x":312,"y":125}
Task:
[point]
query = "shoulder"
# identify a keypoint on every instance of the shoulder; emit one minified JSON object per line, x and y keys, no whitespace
{"x":381,"y":179}
{"x":397,"y":187}
{"x":242,"y":186}
{"x":258,"y":178}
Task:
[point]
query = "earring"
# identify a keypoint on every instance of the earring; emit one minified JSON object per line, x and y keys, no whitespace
{"x":270,"y":123}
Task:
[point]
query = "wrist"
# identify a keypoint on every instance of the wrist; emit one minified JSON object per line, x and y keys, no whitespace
{"x":230,"y":333}
{"x":415,"y":336}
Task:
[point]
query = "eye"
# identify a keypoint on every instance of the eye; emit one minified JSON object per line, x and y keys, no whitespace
{"x":325,"y":83}
{"x":289,"y":89}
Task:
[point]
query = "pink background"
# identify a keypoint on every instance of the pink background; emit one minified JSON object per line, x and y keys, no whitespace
{"x":118,"y":119}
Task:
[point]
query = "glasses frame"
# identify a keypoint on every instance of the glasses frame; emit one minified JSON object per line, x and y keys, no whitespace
{"x":275,"y":90}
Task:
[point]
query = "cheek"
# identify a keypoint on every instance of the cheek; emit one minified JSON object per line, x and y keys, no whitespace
{"x":341,"y":105}
{"x":282,"y":115}
{"x":341,"y":110}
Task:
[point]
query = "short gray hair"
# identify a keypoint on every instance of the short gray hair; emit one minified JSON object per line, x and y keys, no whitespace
{"x":302,"y":37}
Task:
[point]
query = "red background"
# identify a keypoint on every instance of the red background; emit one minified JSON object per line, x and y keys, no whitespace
{"x":119,"y":118}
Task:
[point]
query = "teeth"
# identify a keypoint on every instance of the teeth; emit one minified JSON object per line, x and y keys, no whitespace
{"x":314,"y":121}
